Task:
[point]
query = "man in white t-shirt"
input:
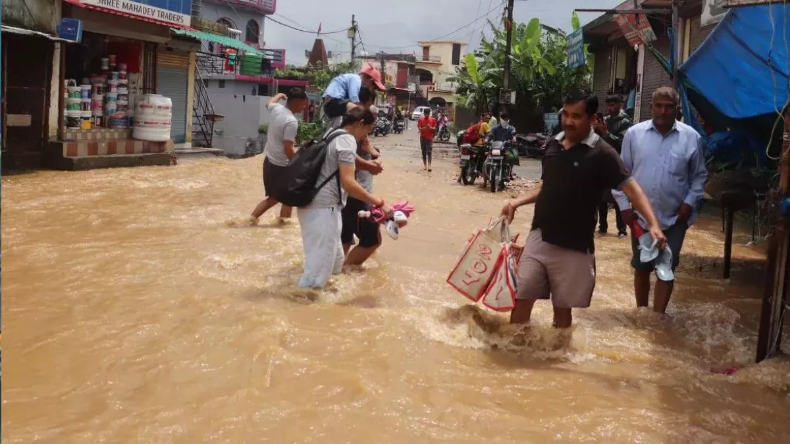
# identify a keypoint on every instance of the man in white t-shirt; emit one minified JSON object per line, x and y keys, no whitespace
{"x":280,"y":146}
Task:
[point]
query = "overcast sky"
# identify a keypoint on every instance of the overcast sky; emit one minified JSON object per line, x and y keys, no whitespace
{"x":396,"y":25}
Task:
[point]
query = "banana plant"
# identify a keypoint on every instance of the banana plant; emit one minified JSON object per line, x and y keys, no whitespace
{"x":475,"y":82}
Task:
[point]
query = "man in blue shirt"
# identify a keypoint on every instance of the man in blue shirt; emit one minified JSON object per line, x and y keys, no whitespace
{"x":342,"y":93}
{"x":503,"y":132}
{"x":666,"y":158}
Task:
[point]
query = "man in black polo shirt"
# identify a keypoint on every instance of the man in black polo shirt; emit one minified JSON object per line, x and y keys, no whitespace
{"x":558,"y":261}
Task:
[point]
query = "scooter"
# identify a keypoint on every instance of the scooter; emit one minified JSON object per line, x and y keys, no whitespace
{"x":444,"y":133}
{"x":382,"y":128}
{"x":399,"y":125}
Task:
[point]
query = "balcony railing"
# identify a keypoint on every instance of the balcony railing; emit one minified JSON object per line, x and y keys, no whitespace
{"x":431,"y":59}
{"x":445,"y":86}
{"x":264,"y":6}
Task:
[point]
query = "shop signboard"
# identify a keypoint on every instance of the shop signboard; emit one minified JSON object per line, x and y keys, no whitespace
{"x":70,"y":29}
{"x":173,"y":12}
{"x":575,"y":49}
{"x":637,"y":32}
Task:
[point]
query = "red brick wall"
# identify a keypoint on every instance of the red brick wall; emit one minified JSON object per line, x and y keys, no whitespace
{"x":654,"y":75}
{"x":698,"y":34}
{"x":601,"y":75}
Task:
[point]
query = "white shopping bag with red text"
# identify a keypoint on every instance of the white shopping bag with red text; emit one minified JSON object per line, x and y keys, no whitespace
{"x":476,"y":267}
{"x":501,"y":292}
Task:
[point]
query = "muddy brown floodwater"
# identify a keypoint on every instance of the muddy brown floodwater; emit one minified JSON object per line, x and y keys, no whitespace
{"x":135,"y":311}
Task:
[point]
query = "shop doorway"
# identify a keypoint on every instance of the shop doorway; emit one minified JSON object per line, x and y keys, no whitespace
{"x":27,"y":66}
{"x":172,"y":79}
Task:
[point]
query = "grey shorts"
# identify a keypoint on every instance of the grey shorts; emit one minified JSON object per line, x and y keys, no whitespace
{"x":546,"y":271}
{"x":675,"y":234}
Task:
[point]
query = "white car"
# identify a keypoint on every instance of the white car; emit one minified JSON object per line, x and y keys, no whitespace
{"x":419,"y":111}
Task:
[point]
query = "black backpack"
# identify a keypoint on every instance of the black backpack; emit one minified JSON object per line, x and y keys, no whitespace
{"x":299,"y":188}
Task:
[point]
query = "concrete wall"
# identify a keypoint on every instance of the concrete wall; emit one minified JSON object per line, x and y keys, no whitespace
{"x":39,"y":15}
{"x":232,"y":86}
{"x":243,"y":116}
{"x":215,"y":10}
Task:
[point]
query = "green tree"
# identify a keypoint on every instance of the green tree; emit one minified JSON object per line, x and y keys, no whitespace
{"x":476,"y":84}
{"x":539,"y":71}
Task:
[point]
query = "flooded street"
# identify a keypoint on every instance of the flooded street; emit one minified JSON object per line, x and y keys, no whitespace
{"x":137,"y":309}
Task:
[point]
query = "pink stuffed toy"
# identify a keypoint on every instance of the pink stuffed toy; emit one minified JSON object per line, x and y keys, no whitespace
{"x":399,"y":219}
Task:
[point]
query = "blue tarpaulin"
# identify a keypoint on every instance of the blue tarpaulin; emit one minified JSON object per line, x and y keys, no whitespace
{"x":742,"y":67}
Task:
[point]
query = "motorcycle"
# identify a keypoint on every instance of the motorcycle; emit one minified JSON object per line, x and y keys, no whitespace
{"x":399,"y":125}
{"x":497,"y":170}
{"x":532,"y":145}
{"x":444,"y":133}
{"x":383,"y":127}
{"x":472,"y":161}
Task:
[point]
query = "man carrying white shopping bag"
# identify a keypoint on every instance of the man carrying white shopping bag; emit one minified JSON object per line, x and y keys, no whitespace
{"x":558,"y":260}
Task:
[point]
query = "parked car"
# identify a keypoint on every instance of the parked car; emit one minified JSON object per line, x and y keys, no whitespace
{"x":418,"y":112}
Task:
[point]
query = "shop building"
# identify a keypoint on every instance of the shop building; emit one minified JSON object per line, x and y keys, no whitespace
{"x":236,"y":72}
{"x":622,"y":64}
{"x":126,"y":50}
{"x":30,"y":66}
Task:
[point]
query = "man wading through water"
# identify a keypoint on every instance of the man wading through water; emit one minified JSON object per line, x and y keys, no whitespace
{"x":666,"y":157}
{"x":280,"y":147}
{"x":612,"y":130}
{"x":558,"y":261}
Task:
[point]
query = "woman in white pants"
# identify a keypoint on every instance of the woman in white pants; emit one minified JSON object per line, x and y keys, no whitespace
{"x":321,"y":219}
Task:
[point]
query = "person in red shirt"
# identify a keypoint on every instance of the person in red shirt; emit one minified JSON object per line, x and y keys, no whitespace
{"x":427,"y":127}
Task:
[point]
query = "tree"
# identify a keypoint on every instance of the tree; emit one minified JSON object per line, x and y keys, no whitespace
{"x":318,"y":77}
{"x":475,"y":83}
{"x":539,"y":71}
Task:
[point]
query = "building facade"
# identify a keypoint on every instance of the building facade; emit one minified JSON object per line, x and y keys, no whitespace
{"x":436,"y":63}
{"x":633,"y":72}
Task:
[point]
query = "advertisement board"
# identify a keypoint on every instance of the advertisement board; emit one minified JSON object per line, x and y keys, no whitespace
{"x":637,"y":32}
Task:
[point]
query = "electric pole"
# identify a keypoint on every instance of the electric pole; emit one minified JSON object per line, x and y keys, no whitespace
{"x":508,"y":45}
{"x":352,"y":34}
{"x":675,"y":56}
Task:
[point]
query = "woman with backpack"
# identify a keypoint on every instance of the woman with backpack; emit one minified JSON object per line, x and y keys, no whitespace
{"x":320,"y":220}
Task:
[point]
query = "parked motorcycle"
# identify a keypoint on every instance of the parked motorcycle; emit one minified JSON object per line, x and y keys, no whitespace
{"x":496,"y":169}
{"x":399,"y":126}
{"x":472,"y":161}
{"x":383,"y":127}
{"x":444,"y":133}
{"x":532,"y":144}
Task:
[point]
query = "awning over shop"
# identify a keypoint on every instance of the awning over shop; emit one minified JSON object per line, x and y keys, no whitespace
{"x":216,"y":38}
{"x":742,"y":67}
{"x":30,"y":32}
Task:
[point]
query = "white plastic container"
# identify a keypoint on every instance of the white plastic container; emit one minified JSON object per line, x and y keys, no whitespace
{"x":152,"y":118}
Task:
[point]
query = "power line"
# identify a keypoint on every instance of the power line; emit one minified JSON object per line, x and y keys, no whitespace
{"x":479,"y":3}
{"x":305,"y":30}
{"x":451,"y":32}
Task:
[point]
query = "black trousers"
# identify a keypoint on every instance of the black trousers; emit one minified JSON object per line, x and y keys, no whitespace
{"x":603,"y":213}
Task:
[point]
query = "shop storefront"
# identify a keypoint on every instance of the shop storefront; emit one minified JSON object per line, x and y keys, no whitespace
{"x":126,"y":52}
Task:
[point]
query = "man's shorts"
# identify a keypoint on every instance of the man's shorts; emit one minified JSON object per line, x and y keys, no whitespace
{"x":368,"y":233}
{"x":273,"y":176}
{"x":546,"y":271}
{"x":675,"y":234}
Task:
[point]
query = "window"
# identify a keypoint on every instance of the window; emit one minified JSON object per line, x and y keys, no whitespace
{"x":456,"y":54}
{"x":227,"y":22}
{"x":426,"y":53}
{"x":221,"y":83}
{"x":252,"y":32}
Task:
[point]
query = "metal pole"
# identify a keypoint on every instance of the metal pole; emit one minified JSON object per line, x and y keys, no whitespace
{"x":674,"y":48}
{"x":508,"y":45}
{"x":353,"y":39}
